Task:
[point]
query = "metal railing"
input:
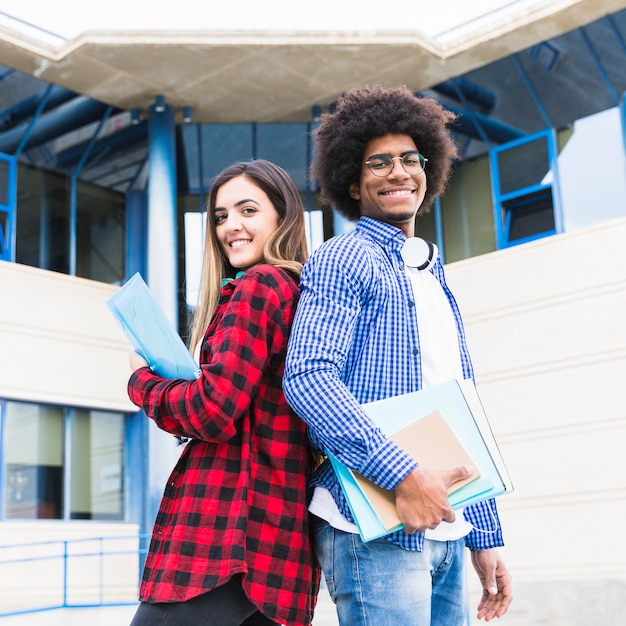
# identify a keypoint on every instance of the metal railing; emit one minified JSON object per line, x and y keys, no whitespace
{"x":77,"y":573}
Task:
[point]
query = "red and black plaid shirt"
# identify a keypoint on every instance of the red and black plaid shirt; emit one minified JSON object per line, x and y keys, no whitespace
{"x":236,"y":501}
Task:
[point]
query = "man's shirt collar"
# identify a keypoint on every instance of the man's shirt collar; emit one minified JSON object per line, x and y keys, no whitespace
{"x":381,"y":232}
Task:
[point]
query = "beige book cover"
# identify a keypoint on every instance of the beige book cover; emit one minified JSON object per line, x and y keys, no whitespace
{"x":431,"y":442}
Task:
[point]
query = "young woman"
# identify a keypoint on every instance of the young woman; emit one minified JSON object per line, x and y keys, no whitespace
{"x":230,"y":544}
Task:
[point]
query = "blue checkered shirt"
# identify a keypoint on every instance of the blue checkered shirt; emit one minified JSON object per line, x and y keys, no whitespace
{"x":355,"y":340}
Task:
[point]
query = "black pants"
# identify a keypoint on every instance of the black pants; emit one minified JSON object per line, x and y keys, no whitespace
{"x":225,"y":606}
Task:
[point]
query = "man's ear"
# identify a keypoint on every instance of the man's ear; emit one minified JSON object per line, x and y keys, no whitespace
{"x":354,"y":191}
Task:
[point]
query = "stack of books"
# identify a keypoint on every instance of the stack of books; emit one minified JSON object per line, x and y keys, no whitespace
{"x":441,"y":427}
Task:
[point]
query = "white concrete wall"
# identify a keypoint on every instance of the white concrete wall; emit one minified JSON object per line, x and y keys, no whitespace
{"x":546,"y":324}
{"x":59,"y":342}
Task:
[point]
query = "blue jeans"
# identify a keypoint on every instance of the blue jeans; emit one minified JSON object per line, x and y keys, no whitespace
{"x":379,"y":584}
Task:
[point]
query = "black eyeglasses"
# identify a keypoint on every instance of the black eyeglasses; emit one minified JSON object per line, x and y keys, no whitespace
{"x":382,"y":164}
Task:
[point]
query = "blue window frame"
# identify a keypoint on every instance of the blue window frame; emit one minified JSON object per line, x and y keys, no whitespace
{"x":526,"y":198}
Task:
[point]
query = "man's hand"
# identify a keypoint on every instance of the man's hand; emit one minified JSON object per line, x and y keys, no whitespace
{"x":422,"y":498}
{"x":496,"y":582}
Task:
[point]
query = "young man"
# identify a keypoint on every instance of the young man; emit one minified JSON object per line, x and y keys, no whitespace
{"x":376,"y":319}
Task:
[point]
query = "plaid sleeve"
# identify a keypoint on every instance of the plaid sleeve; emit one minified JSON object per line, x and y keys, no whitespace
{"x":487,"y":532}
{"x":247,"y":332}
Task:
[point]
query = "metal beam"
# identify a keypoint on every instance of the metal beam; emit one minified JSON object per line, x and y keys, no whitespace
{"x":26,"y":108}
{"x":71,"y":116}
{"x":109,"y":146}
{"x":470,"y":91}
{"x":496,"y":132}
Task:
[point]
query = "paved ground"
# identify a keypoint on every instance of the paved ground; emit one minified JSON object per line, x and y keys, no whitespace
{"x":325,"y":612}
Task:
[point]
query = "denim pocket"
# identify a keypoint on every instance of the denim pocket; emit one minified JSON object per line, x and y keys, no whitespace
{"x":323,"y":539}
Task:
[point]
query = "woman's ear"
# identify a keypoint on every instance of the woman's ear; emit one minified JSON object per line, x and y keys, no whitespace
{"x":355,"y":194}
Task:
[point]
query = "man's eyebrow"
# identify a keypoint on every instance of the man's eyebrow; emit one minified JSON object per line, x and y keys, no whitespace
{"x":377,"y":154}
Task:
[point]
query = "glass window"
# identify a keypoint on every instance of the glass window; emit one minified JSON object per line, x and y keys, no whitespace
{"x":524,"y":165}
{"x":43,"y":220}
{"x":38,"y":468}
{"x":287,"y":146}
{"x":221,"y":145}
{"x":43,"y":226}
{"x":530,"y":214}
{"x":33,"y":458}
{"x":100,"y":234}
{"x":97,"y":465}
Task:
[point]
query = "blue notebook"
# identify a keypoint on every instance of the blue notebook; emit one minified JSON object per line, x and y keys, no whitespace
{"x":150,"y":333}
{"x":453,"y":406}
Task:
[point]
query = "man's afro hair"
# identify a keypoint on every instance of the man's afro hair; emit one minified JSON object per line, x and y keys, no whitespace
{"x":368,"y":113}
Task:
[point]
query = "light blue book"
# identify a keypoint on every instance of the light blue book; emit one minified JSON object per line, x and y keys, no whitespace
{"x":150,"y":333}
{"x":458,"y":403}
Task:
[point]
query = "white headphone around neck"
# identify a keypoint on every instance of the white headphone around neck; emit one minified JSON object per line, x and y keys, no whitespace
{"x":419,"y":253}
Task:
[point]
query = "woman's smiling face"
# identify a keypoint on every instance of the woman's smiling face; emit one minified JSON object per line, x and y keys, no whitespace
{"x":244,"y":219}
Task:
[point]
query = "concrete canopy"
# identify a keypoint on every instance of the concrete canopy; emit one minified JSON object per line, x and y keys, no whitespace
{"x":242,"y":70}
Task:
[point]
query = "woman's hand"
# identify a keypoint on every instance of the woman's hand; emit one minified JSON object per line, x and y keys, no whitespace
{"x":136,"y":361}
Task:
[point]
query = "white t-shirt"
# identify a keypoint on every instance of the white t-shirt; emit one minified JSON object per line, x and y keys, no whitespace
{"x":441,"y":361}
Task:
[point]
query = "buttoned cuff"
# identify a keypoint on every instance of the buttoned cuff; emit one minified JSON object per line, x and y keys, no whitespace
{"x":389,"y":466}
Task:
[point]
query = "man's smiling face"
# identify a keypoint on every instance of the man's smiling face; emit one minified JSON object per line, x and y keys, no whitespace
{"x":396,"y":197}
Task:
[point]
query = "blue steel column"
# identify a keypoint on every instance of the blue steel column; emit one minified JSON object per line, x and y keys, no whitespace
{"x":162,"y":239}
{"x":136,"y":231}
{"x":162,"y":270}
